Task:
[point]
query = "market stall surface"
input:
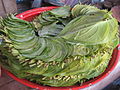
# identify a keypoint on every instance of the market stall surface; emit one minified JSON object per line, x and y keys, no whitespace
{"x":7,"y":83}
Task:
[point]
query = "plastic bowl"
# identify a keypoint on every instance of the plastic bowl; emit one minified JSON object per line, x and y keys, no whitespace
{"x":29,"y":15}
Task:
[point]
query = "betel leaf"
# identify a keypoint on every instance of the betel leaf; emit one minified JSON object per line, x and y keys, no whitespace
{"x":52,"y":16}
{"x":83,"y":22}
{"x":78,"y":10}
{"x":51,"y":30}
{"x":66,"y":47}
{"x":90,"y":29}
{"x":61,"y":12}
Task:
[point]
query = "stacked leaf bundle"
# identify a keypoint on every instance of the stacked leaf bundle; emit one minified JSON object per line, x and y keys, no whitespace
{"x":60,"y":47}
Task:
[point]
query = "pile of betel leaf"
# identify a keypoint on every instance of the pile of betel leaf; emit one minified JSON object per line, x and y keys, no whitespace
{"x":61,"y":47}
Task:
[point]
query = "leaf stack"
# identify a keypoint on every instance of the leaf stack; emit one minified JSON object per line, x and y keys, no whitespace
{"x":61,"y":47}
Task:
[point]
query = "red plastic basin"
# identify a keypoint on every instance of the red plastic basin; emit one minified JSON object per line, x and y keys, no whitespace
{"x":29,"y":15}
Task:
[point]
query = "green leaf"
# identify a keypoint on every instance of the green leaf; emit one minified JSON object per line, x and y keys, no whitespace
{"x":61,"y":12}
{"x":78,"y":10}
{"x":91,"y":29}
{"x":51,"y":30}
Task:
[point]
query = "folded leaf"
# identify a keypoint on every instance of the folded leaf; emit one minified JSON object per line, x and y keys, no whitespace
{"x":91,"y":29}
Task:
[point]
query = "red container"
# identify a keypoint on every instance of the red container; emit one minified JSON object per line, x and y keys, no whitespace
{"x":29,"y":15}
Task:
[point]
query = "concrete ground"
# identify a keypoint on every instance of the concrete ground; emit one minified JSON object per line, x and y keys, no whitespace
{"x":7,"y":83}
